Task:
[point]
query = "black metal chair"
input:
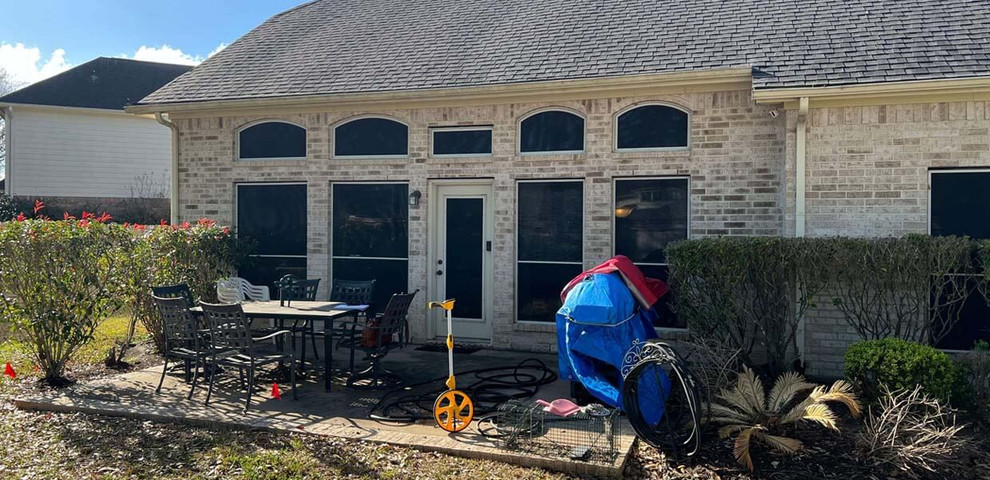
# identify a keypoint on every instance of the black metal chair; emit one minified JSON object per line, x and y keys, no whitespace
{"x":180,"y":290}
{"x":183,"y":338}
{"x":233,"y":346}
{"x":377,"y":338}
{"x":289,"y":289}
{"x":356,"y":295}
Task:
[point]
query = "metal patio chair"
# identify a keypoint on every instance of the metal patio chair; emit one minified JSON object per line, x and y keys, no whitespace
{"x":289,"y":289}
{"x":233,"y":346}
{"x":180,"y":290}
{"x":356,"y":296}
{"x":377,"y":338}
{"x":183,"y":338}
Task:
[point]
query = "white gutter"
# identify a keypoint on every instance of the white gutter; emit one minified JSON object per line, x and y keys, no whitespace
{"x":799,"y":167}
{"x":7,"y":112}
{"x":174,"y":174}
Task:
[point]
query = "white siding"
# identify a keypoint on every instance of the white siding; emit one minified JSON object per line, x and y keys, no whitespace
{"x":84,"y":154}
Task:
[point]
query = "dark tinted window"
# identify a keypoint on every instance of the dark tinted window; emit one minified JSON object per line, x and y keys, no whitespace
{"x":370,"y":137}
{"x":552,"y":131}
{"x":550,"y":221}
{"x":649,"y":214}
{"x":274,"y":217}
{"x":550,"y":235}
{"x":370,"y":220}
{"x":961,"y":204}
{"x":272,"y":140}
{"x":462,"y":142}
{"x":652,"y":126}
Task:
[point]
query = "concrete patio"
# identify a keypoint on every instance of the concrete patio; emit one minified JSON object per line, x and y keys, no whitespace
{"x":342,"y":413}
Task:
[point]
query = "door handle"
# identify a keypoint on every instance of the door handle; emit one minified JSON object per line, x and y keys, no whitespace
{"x":439,"y":272}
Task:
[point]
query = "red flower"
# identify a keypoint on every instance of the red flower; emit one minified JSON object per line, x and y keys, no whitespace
{"x":163,"y":223}
{"x":206,"y":222}
{"x":185,"y":225}
{"x":86,"y":215}
{"x":104,"y":218}
{"x":66,"y":216}
{"x":84,"y":223}
{"x":139,"y":227}
{"x":38,"y":206}
{"x":225,"y":230}
{"x":21,"y":217}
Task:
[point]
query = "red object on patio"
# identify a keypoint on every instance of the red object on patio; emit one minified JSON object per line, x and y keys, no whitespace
{"x":9,"y":371}
{"x":276,"y":393}
{"x":646,"y":290}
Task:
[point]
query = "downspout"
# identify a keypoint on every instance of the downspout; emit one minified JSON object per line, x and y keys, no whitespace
{"x":8,"y":114}
{"x":173,"y":205}
{"x":799,"y":167}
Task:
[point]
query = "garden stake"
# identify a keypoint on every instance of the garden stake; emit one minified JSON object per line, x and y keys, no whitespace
{"x":449,"y":409}
{"x":9,"y":371}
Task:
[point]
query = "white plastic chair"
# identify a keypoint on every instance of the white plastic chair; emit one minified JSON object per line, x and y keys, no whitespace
{"x":237,"y":289}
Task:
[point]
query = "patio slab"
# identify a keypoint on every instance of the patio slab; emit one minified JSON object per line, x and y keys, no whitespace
{"x":342,"y":413}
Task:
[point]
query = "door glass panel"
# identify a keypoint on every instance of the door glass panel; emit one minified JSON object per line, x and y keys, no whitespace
{"x":464,"y":240}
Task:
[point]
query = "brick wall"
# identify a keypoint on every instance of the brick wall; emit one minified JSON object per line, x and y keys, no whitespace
{"x":867,"y":176}
{"x":735,"y":163}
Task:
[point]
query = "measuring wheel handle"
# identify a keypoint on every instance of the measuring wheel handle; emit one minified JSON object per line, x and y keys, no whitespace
{"x":453,"y":411}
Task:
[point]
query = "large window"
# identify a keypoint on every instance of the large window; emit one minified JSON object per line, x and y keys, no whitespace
{"x":271,"y":140}
{"x":461,"y":141}
{"x":551,"y":131}
{"x":649,"y":214}
{"x":651,"y":127}
{"x":370,"y":235}
{"x":549,"y":240}
{"x":371,"y":137}
{"x":273,"y":218}
{"x":960,"y":205}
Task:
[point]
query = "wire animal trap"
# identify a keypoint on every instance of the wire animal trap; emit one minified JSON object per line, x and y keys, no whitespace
{"x":589,"y":434}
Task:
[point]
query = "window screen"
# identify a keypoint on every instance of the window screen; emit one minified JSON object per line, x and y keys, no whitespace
{"x":550,"y":218}
{"x":960,"y":205}
{"x":462,"y":142}
{"x":273,"y":218}
{"x":370,"y":229}
{"x":272,"y":140}
{"x":552,"y":131}
{"x":371,"y":137}
{"x":649,"y":214}
{"x":652,"y":126}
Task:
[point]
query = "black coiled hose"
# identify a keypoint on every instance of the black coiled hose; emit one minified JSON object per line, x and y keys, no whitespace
{"x":680,"y":425}
{"x":487,"y":387}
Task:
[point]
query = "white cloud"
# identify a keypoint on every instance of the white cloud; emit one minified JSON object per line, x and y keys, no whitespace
{"x":26,"y":64}
{"x":167,"y":54}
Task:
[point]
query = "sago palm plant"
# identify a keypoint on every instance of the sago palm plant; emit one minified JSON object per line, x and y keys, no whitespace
{"x":753,"y":415}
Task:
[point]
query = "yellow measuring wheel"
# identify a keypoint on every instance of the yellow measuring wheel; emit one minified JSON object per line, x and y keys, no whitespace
{"x":453,"y":410}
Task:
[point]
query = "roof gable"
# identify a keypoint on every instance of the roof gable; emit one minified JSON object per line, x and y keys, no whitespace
{"x":105,"y":83}
{"x":329,"y":47}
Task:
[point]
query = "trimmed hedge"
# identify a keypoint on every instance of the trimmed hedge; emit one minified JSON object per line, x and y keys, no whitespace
{"x":901,"y":365}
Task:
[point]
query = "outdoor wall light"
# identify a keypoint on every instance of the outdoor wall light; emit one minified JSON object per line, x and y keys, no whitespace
{"x":414,"y":198}
{"x":623,"y":212}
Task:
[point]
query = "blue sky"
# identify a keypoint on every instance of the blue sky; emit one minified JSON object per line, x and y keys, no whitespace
{"x":39,"y":38}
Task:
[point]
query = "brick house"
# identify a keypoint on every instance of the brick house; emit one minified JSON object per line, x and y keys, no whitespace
{"x":489,"y":151}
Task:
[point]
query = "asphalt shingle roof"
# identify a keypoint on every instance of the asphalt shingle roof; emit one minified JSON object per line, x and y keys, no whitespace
{"x":352,"y":46}
{"x":107,"y":83}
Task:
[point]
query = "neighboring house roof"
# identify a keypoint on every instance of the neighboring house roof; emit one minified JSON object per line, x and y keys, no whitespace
{"x":107,"y":83}
{"x":357,"y":46}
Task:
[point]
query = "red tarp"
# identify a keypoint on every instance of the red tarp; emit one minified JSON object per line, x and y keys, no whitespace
{"x":646,"y":290}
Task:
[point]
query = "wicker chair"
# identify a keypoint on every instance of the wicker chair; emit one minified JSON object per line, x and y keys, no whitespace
{"x":377,"y":339}
{"x":233,"y":346}
{"x":183,"y":338}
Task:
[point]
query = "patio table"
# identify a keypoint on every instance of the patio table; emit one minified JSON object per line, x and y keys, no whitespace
{"x":302,"y":310}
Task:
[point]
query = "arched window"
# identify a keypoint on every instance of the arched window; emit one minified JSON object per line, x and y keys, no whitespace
{"x":271,"y":140}
{"x":652,"y":126}
{"x":371,"y":137}
{"x":551,"y":131}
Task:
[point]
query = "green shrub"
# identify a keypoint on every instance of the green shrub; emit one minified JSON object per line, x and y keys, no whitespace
{"x":8,"y":209}
{"x":901,"y":365}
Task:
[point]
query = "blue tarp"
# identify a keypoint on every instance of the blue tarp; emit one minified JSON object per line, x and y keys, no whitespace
{"x":596,"y":326}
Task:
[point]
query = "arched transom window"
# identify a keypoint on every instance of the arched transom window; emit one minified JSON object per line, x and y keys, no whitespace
{"x":652,"y":127}
{"x":551,"y":131}
{"x":271,"y":140}
{"x":371,"y":137}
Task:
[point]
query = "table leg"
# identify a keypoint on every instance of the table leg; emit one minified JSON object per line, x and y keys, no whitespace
{"x":328,"y":353}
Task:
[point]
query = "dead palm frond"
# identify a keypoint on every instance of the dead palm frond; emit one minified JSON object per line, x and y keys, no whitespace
{"x":751,"y":414}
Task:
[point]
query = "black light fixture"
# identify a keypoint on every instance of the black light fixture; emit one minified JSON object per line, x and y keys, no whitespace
{"x":414,"y":198}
